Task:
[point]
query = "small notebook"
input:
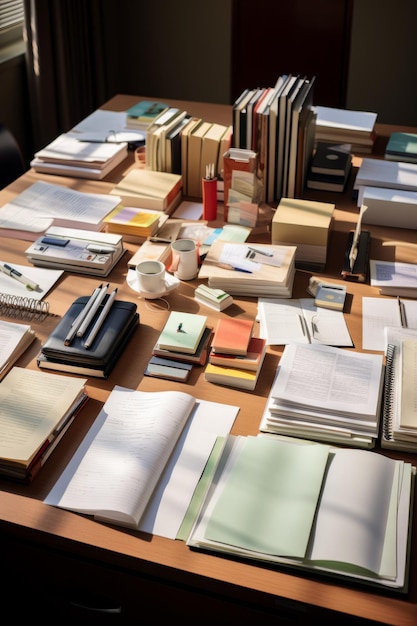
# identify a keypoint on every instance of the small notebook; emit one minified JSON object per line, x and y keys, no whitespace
{"x":182,"y":332}
{"x":232,"y":335}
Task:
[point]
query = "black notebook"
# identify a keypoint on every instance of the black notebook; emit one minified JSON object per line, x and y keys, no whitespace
{"x":99,"y":359}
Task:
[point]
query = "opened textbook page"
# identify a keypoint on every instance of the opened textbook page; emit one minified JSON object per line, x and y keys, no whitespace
{"x":142,"y":458}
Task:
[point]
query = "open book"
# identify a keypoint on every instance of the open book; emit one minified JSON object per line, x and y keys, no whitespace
{"x":142,"y":458}
{"x":350,"y":518}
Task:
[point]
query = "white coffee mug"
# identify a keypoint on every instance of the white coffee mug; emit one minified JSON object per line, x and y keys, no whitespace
{"x":151,"y":276}
{"x":184,"y":263}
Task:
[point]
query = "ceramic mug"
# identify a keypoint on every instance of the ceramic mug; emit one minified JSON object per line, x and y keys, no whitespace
{"x":151,"y":276}
{"x":184,"y":263}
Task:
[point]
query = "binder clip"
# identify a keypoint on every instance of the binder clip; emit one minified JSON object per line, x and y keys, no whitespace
{"x":356,"y":261}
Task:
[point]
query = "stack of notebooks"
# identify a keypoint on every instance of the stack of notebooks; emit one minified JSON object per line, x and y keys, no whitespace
{"x":183,"y":342}
{"x":37,"y":410}
{"x":346,"y":126}
{"x":236,"y":356}
{"x":327,"y":394}
{"x":245,"y":270}
{"x":330,"y":167}
{"x":91,"y":336}
{"x":394,"y":176}
{"x":68,"y":156}
{"x":216,"y":299}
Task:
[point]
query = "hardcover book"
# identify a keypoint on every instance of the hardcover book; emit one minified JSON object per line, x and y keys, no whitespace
{"x":402,"y":147}
{"x":148,"y":189}
{"x":331,"y":159}
{"x":252,"y":360}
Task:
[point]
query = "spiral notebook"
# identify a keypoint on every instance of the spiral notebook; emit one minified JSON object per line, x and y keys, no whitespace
{"x":399,"y":424}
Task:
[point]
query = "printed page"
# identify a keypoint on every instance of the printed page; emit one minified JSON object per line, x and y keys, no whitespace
{"x":330,"y":379}
{"x":116,"y":468}
{"x":35,"y":208}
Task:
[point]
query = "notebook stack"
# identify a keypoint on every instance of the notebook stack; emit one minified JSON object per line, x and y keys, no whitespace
{"x":246,"y":270}
{"x":236,"y":357}
{"x":91,"y":336}
{"x":183,"y":342}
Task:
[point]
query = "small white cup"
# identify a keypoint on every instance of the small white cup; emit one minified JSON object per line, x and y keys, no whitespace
{"x":151,"y":276}
{"x":184,"y":259}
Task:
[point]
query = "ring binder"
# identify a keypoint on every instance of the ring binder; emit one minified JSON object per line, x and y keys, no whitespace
{"x":388,"y":402}
{"x":23,"y":307}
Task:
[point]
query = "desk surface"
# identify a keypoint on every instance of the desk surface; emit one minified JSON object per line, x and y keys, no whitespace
{"x":22,"y":512}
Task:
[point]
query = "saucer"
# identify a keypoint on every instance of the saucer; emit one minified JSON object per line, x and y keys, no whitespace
{"x":171,"y":282}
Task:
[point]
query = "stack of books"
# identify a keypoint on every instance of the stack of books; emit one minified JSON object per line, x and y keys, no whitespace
{"x":184,"y":341}
{"x":148,"y":189}
{"x":330,"y":167}
{"x":142,"y":114}
{"x":346,"y":126}
{"x":240,"y":269}
{"x":157,"y":138}
{"x":236,"y":357}
{"x":306,"y":224}
{"x":68,"y":156}
{"x":37,"y":411}
{"x":91,"y":336}
{"x":324,"y":397}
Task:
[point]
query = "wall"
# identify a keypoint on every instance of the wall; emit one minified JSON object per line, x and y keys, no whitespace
{"x":383,"y":60}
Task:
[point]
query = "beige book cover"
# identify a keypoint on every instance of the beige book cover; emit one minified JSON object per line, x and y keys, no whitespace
{"x":298,"y":221}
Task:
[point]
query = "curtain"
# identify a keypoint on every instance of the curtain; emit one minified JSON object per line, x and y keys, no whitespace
{"x":66,"y":68}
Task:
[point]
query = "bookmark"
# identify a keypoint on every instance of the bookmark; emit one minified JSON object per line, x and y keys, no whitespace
{"x":209,"y":194}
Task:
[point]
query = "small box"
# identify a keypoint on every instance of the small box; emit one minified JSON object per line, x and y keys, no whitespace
{"x":330,"y":296}
{"x":306,"y":224}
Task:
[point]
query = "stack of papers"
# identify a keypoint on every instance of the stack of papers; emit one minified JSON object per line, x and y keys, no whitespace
{"x":346,"y":126}
{"x":43,"y":204}
{"x":68,"y":155}
{"x":327,"y":394}
{"x":240,"y":269}
{"x":14,"y":339}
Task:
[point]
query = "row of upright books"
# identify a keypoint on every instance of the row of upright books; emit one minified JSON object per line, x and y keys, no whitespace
{"x":183,"y":144}
{"x":278,"y":123}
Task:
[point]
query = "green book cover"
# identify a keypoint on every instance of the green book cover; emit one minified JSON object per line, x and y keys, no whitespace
{"x":182,"y":332}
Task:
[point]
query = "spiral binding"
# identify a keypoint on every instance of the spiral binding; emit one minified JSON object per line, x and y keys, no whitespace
{"x":389,"y":393}
{"x":23,"y":307}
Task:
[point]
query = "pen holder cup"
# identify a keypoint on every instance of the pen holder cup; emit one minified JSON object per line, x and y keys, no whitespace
{"x":151,"y":276}
{"x":184,"y":264}
{"x":209,"y":189}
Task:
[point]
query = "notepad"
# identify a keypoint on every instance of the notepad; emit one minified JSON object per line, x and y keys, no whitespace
{"x":182,"y":332}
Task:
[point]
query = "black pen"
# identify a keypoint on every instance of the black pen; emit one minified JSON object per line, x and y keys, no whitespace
{"x":263,"y":252}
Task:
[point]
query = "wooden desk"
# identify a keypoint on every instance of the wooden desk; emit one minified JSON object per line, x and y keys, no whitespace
{"x":61,"y":556}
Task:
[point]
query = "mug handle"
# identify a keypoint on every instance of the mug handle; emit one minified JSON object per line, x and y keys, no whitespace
{"x":175,"y":262}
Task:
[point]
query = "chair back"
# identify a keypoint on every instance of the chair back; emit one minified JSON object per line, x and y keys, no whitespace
{"x":11,"y":159}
